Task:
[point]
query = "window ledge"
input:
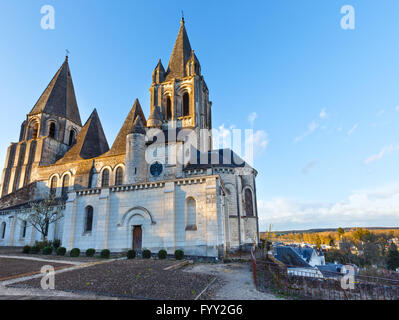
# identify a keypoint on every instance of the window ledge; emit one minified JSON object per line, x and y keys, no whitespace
{"x":86,"y":234}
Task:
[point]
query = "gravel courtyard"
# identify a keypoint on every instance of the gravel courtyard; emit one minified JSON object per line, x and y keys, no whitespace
{"x":130,"y":279}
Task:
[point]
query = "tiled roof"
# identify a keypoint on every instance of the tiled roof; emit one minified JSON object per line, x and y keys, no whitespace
{"x":119,"y":145}
{"x":180,"y":55}
{"x":59,"y":97}
{"x":90,"y":142}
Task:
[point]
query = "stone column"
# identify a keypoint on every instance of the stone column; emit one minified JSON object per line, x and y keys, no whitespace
{"x":169,"y":216}
{"x":211,"y":217}
{"x":12,"y":231}
{"x":102,"y":220}
{"x":68,"y":236}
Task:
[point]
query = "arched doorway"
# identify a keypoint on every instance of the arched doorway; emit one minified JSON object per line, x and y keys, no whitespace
{"x":137,"y":238}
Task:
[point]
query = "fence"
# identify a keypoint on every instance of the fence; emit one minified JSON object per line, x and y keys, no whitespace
{"x":312,"y":284}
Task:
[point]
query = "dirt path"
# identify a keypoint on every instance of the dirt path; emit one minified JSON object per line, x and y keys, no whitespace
{"x":235,"y":281}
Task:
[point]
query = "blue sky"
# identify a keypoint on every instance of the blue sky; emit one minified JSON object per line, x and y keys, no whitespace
{"x":322,"y":99}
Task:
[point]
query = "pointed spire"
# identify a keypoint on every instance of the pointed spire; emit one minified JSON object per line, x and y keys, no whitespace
{"x":155,"y":118}
{"x":119,"y":145}
{"x":158,"y":75}
{"x":59,"y":97}
{"x":180,"y":54}
{"x":138,"y":126}
{"x":90,"y":142}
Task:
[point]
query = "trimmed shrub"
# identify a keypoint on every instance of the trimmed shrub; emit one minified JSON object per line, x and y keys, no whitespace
{"x":56,"y":243}
{"x":179,"y":254}
{"x":162,"y":254}
{"x":35,"y":249}
{"x":47,"y":250}
{"x":146,"y":254}
{"x":26,"y":249}
{"x":42,"y":244}
{"x":75,"y":252}
{"x":131,"y":254}
{"x":90,"y":252}
{"x":105,"y":254}
{"x":61,"y":251}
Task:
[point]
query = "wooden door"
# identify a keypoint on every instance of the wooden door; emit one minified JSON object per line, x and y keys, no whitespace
{"x":137,"y":238}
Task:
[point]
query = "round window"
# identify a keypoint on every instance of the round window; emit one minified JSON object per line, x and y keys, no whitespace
{"x":156,"y":169}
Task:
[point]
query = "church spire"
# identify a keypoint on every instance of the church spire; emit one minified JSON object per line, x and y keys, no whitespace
{"x":180,"y":55}
{"x":59,"y":97}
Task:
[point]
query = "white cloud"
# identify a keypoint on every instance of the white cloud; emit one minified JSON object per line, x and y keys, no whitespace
{"x":351,"y":131}
{"x":384,"y":151}
{"x":310,"y":165}
{"x":374,"y":207}
{"x":260,"y":139}
{"x":323,"y":114}
{"x":313,"y":126}
{"x":252,"y":117}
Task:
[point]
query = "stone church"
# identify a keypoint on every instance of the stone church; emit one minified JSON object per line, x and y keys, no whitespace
{"x":160,"y":185}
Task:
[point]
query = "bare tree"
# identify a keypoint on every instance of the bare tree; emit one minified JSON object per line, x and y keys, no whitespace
{"x":43,"y":213}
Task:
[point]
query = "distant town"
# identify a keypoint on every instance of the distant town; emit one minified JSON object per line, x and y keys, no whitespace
{"x":371,"y":251}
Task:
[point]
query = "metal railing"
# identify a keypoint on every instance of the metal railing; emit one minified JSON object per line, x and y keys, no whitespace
{"x":301,"y":283}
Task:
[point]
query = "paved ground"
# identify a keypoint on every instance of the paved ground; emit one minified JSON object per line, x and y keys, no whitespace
{"x":234,"y":282}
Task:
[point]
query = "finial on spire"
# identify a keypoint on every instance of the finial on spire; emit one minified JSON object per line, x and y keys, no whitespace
{"x":182,"y":17}
{"x":67,"y":54}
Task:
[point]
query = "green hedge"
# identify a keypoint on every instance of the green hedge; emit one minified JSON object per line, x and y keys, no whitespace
{"x":146,"y":254}
{"x":131,"y":254}
{"x":35,"y":249}
{"x":90,"y":252}
{"x":75,"y":252}
{"x":105,"y":254}
{"x":162,"y":254}
{"x":61,"y":251}
{"x":47,"y":250}
{"x":179,"y":254}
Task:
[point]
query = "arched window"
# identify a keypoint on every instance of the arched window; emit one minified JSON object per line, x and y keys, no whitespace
{"x":168,"y":108}
{"x":23,"y":229}
{"x":105,"y":178}
{"x":191,"y":208}
{"x":186,"y":104}
{"x":119,"y":176}
{"x":249,"y":209}
{"x":53,"y":186}
{"x":72,"y":135}
{"x":51,"y":130}
{"x":89,"y":219}
{"x":35,"y":130}
{"x":65,"y":185}
{"x":3,"y":230}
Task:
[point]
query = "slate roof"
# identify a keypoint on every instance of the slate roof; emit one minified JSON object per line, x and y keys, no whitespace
{"x":59,"y":97}
{"x":119,"y":145}
{"x":330,"y":270}
{"x":217,"y":158}
{"x":180,"y":55}
{"x":138,"y":126}
{"x":90,"y":142}
{"x":290,"y":257}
